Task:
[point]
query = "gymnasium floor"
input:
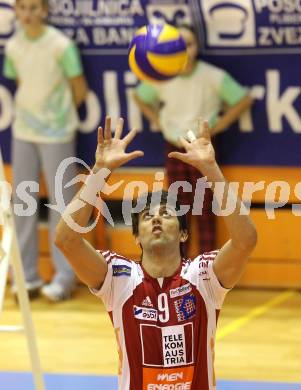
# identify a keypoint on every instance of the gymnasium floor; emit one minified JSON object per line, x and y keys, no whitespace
{"x":258,"y":343}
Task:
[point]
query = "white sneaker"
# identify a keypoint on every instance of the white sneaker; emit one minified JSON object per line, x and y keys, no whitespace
{"x":56,"y":292}
{"x":33,"y":288}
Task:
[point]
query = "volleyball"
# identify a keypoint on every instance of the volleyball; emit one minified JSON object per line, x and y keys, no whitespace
{"x":157,"y":52}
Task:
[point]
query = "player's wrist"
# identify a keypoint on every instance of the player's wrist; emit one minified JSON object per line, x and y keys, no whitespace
{"x":94,"y":183}
{"x":210,"y":169}
{"x":97,"y":167}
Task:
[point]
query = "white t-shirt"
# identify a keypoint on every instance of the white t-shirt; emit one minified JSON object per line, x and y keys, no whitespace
{"x":45,"y":111}
{"x":165,"y":333}
{"x":186,"y":98}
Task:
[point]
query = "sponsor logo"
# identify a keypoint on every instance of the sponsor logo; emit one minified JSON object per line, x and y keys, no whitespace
{"x":204,"y":275}
{"x":174,"y":346}
{"x":175,"y":386}
{"x":185,"y":308}
{"x":144,"y":313}
{"x":177,"y":346}
{"x":147,"y":302}
{"x":167,"y":379}
{"x":182,"y":290}
{"x":121,"y":270}
{"x":168,"y":12}
{"x":229,"y":23}
{"x":204,"y":263}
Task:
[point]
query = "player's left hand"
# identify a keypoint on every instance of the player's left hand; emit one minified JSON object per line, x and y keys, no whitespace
{"x":200,"y":152}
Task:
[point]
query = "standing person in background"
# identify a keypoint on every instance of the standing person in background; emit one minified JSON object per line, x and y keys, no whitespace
{"x":50,"y":86}
{"x":202,"y":90}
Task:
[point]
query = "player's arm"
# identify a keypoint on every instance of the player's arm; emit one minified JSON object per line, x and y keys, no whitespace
{"x":231,"y":114}
{"x":88,"y":264}
{"x":9,"y":69}
{"x":150,"y":112}
{"x":231,"y":260}
{"x":79,"y":89}
{"x":147,"y":100}
{"x":236,"y":99}
{"x":71,"y":64}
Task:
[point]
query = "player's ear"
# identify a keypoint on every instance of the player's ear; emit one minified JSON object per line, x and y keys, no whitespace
{"x":184,"y":235}
{"x":137,"y":240}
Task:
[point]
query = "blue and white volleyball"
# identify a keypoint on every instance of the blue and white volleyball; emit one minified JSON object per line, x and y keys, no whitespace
{"x":157,"y":53}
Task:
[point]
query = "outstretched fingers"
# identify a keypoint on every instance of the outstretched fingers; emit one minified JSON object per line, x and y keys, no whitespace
{"x":178,"y":156}
{"x":100,"y":136}
{"x":108,"y":131}
{"x":131,"y":156}
{"x":186,"y":145}
{"x":119,"y":128}
{"x":130,"y":136}
{"x":204,"y":131}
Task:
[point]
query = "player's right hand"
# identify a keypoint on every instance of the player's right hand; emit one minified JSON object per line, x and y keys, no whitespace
{"x":110,"y":152}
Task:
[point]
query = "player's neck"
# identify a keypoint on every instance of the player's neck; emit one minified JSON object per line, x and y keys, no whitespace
{"x":35,"y":31}
{"x":161,"y":262}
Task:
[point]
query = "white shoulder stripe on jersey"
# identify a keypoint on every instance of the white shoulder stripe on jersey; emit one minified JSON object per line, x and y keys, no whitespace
{"x":208,"y":257}
{"x":209,"y":254}
{"x":109,"y":256}
{"x":122,"y":258}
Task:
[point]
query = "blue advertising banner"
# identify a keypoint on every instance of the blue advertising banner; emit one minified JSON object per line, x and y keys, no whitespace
{"x":257,"y":41}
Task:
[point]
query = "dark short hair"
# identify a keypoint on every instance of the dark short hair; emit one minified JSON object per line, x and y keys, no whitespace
{"x":153,"y":198}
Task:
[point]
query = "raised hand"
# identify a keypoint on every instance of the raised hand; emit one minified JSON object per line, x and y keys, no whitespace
{"x":110,"y":152}
{"x":200,"y":152}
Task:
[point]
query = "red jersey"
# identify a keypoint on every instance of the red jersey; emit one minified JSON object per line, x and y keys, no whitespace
{"x":165,"y":333}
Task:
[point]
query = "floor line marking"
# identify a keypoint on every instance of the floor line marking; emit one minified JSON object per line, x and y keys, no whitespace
{"x":254,"y":313}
